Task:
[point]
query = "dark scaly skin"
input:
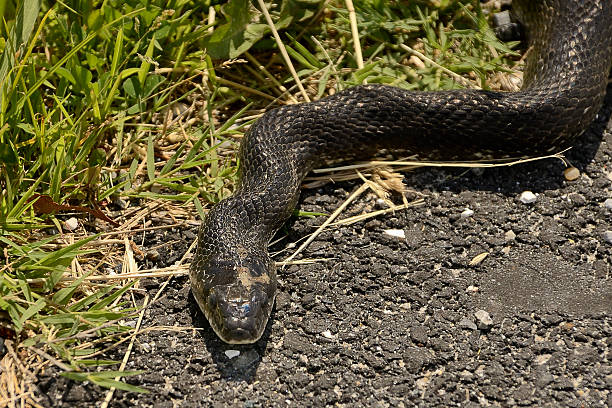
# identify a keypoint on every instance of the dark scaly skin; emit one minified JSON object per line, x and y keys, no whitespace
{"x":232,"y":276}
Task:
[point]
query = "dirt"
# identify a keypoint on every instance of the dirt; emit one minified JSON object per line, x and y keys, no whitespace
{"x":388,"y":321}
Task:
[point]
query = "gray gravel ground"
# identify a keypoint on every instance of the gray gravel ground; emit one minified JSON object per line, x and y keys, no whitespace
{"x":409,"y":322}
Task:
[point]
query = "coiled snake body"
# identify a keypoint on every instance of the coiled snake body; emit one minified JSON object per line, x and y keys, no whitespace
{"x":232,"y":276}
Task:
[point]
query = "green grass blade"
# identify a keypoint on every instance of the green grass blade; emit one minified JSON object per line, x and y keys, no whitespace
{"x":24,"y":25}
{"x":151,"y":157}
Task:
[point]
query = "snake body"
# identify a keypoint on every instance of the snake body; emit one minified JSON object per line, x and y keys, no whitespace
{"x":232,"y":275}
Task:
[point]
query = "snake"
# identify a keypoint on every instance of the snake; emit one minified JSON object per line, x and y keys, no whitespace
{"x":233,"y":277}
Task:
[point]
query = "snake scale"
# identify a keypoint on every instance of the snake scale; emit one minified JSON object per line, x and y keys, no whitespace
{"x":232,"y":275}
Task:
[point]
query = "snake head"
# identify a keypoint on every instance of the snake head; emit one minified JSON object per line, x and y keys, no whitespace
{"x":236,"y":298}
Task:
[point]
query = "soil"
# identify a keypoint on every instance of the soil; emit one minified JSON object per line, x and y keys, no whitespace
{"x":390,"y":321}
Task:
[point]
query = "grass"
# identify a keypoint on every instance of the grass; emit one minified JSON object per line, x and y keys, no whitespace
{"x":109,"y":109}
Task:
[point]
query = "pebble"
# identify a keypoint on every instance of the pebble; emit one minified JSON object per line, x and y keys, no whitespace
{"x":327,"y":334}
{"x":484,"y":320}
{"x":71,"y":224}
{"x":467,"y":213}
{"x":232,"y":353}
{"x":608,"y":203}
{"x":527,"y":197}
{"x":607,"y":236}
{"x":395,"y":233}
{"x":571,"y":173}
{"x":510,"y":235}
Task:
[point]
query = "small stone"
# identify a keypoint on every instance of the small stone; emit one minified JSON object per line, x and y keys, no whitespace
{"x":607,"y":236}
{"x":505,"y":28}
{"x":397,"y":233}
{"x":571,"y":173}
{"x":467,"y":213}
{"x":608,"y":203}
{"x":484,"y":321}
{"x":327,"y":334}
{"x":71,"y":224}
{"x":527,"y":197}
{"x":543,"y":358}
{"x":466,"y":323}
{"x":232,"y":353}
{"x":472,"y":289}
{"x":510,"y":235}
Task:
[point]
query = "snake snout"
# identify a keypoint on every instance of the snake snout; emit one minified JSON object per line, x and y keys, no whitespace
{"x":236,"y":296}
{"x":239,"y":314}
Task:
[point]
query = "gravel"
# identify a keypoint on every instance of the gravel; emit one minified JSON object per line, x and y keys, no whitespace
{"x":407,"y":322}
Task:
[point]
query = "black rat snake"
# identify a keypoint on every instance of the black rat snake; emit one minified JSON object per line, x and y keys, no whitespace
{"x":232,"y":276}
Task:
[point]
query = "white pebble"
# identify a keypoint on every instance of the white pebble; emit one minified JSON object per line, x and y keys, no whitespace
{"x":608,"y":203}
{"x":467,"y":213}
{"x":607,"y":236}
{"x":71,"y":224}
{"x":327,"y":334}
{"x":527,"y":197}
{"x":484,"y":320}
{"x":232,"y":353}
{"x":396,"y":233}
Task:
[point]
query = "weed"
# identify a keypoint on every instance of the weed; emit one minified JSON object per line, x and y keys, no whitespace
{"x":108,"y":105}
